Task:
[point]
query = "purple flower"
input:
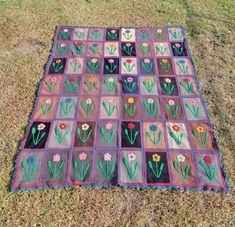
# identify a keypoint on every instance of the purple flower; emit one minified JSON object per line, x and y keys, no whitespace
{"x":153,"y":128}
{"x":181,"y":61}
{"x":31,"y":159}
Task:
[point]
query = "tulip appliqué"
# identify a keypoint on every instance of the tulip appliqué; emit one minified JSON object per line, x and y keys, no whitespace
{"x":175,"y":33}
{"x":129,"y":84}
{"x":57,"y":65}
{"x":81,"y":167}
{"x":129,"y":65}
{"x":183,"y":66}
{"x":112,"y":34}
{"x":110,"y":84}
{"x":38,"y":133}
{"x":128,"y":49}
{"x":109,"y":106}
{"x":145,"y":49}
{"x":130,"y":133}
{"x":144,"y":34}
{"x":107,"y":133}
{"x":156,"y":166}
{"x":78,"y":48}
{"x":62,"y":49}
{"x":187,"y":85}
{"x":110,"y":65}
{"x":131,"y":165}
{"x":75,"y":65}
{"x":193,"y":108}
{"x":55,"y":165}
{"x":165,"y":65}
{"x":67,"y":106}
{"x":65,"y":34}
{"x":80,"y":34}
{"x":94,"y":49}
{"x":130,"y":106}
{"x":153,"y":135}
{"x":161,"y":48}
{"x":127,"y":34}
{"x":147,"y":65}
{"x":71,"y":84}
{"x":96,"y":34}
{"x":208,"y":167}
{"x":93,"y":65}
{"x":111,"y":49}
{"x":178,"y":49}
{"x":46,"y":106}
{"x":51,"y":84}
{"x":87,"y":106}
{"x":84,"y":133}
{"x":180,"y":167}
{"x":201,"y":135}
{"x":29,"y":165}
{"x":150,"y":107}
{"x":91,"y":84}
{"x":61,"y":132}
{"x":168,"y":86}
{"x":107,"y":167}
{"x":159,"y":34}
{"x":176,"y":134}
{"x":149,"y":83}
{"x":171,"y":108}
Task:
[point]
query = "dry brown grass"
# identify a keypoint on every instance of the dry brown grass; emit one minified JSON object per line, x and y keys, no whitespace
{"x":26,"y":29}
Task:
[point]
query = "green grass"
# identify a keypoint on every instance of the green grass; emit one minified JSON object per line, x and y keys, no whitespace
{"x":26,"y":31}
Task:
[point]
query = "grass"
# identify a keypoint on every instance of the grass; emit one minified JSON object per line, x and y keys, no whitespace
{"x":26,"y":30}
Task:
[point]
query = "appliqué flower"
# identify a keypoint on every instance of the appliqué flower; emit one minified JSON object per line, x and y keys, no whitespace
{"x":153,"y":128}
{"x":131,"y":157}
{"x":85,"y":127}
{"x":88,"y":101}
{"x":82,"y":156}
{"x":207,"y":159}
{"x":131,"y":125}
{"x":150,"y":100}
{"x":180,"y":158}
{"x":107,"y":157}
{"x":63,"y":126}
{"x":130,"y":100}
{"x":176,"y":128}
{"x":156,"y":158}
{"x":56,"y":158}
{"x":200,"y":129}
{"x":108,"y":126}
{"x":41,"y":127}
{"x":171,"y":102}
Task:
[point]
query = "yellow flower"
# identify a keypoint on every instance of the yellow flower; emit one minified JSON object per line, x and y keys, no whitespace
{"x":148,"y":79}
{"x":200,"y":129}
{"x":111,"y":45}
{"x":58,"y":61}
{"x":130,"y":100}
{"x":92,"y":79}
{"x":164,"y":60}
{"x":156,"y":158}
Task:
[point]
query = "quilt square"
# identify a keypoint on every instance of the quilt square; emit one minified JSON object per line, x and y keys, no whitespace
{"x":81,"y":167}
{"x":55,"y":167}
{"x":106,"y":167}
{"x":120,"y":106}
{"x":157,"y":168}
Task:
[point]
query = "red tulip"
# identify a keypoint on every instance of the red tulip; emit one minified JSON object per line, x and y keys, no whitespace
{"x":63,"y":126}
{"x":131,"y":125}
{"x":128,"y":61}
{"x":79,"y":43}
{"x":186,"y":80}
{"x":72,"y":80}
{"x":207,"y":159}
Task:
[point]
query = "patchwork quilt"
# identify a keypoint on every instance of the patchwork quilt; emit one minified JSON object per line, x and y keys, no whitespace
{"x":119,"y":106}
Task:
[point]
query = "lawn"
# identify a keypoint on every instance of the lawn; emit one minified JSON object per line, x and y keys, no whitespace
{"x":26,"y":31}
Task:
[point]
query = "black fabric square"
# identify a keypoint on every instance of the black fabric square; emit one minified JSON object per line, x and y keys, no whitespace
{"x":178,"y":49}
{"x":128,"y":49}
{"x":130,"y":85}
{"x":37,"y":136}
{"x":65,"y":33}
{"x":112,"y":34}
{"x":131,"y":134}
{"x":157,"y":167}
{"x":57,"y":66}
{"x":111,"y":66}
{"x":168,"y":86}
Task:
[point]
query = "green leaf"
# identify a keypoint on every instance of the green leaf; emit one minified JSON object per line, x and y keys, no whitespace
{"x":175,"y":164}
{"x":56,"y":131}
{"x":150,"y":164}
{"x":187,"y":169}
{"x":23,"y":165}
{"x":148,"y":134}
{"x":75,"y":164}
{"x":202,"y":163}
{"x":102,"y":130}
{"x":126,"y":131}
{"x":49,"y":164}
{"x":33,"y":130}
{"x":78,"y":131}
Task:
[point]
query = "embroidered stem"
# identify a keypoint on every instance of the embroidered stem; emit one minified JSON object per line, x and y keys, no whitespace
{"x":157,"y":171}
{"x":85,"y":134}
{"x":83,"y":170}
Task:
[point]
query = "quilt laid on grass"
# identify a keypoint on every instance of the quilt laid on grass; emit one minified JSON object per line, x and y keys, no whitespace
{"x":119,"y":106}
